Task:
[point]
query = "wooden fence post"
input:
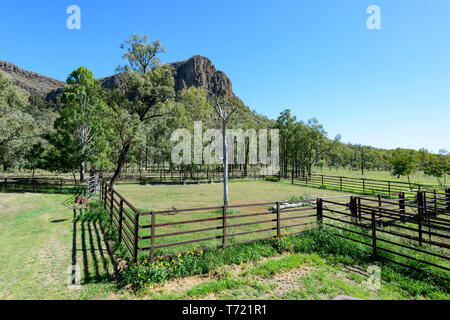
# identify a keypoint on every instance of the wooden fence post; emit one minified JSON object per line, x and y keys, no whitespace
{"x":401,"y":205}
{"x":33,"y":182}
{"x":152,"y":239}
{"x":278,"y":220}
{"x":389,"y":187}
{"x":6,"y":182}
{"x":319,"y":205}
{"x":136,"y":237}
{"x":61,"y":186}
{"x":364,"y":185}
{"x":374,"y":235}
{"x":340,"y":179}
{"x":120,"y":221}
{"x":224,"y":226}
{"x":420,"y":211}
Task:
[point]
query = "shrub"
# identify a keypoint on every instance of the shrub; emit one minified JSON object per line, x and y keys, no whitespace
{"x":271,"y":178}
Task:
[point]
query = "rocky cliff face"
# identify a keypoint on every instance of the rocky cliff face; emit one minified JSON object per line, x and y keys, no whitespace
{"x":32,"y":82}
{"x":197,"y":71}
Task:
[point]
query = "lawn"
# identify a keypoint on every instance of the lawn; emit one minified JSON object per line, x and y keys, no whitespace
{"x":41,"y":240}
{"x":417,"y":177}
{"x":160,"y":197}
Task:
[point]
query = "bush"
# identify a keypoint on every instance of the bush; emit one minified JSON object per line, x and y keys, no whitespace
{"x":271,"y":178}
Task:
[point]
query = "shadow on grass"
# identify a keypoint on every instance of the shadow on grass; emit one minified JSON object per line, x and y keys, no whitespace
{"x":95,"y":254}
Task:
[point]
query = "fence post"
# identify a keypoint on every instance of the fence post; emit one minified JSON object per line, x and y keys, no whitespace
{"x":61,"y":186}
{"x":112,"y":203}
{"x":359,"y":209}
{"x":401,"y":205}
{"x":374,"y":235}
{"x":447,"y":199}
{"x":389,"y":187}
{"x":6,"y":182}
{"x":136,"y":237}
{"x":152,"y":239}
{"x":319,"y":205}
{"x":224,"y":226}
{"x":278,"y":220}
{"x":364,"y":185}
{"x":33,"y":182}
{"x":420,"y":204}
{"x":106,"y":190}
{"x":120,"y":220}
{"x":340,"y":179}
{"x":352,"y":207}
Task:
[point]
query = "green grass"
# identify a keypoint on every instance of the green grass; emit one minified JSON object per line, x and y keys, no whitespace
{"x":41,"y":239}
{"x":417,"y":177}
{"x":163,"y":197}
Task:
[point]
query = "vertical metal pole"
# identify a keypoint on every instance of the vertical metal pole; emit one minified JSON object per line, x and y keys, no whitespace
{"x":447,"y":199}
{"x":353,"y":209}
{"x":401,"y":205}
{"x":120,"y":220}
{"x":224,"y":226}
{"x":152,"y":239}
{"x":278,"y":220}
{"x":319,"y":205}
{"x":136,"y":237}
{"x":420,"y":204}
{"x":374,"y":235}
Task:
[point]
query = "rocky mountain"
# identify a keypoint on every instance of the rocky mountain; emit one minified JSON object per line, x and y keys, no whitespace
{"x":30,"y":81}
{"x":197,"y":71}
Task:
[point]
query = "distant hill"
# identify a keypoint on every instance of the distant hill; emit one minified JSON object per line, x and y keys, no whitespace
{"x":197,"y":71}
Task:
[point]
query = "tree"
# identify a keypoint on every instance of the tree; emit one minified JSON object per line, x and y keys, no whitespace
{"x":404,"y":162}
{"x":438,"y":167}
{"x":147,"y":89}
{"x":16,"y":124}
{"x":224,"y":107}
{"x":82,"y":132}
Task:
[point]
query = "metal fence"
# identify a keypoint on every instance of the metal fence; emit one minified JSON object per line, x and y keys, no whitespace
{"x":411,"y":220}
{"x":358,"y":185}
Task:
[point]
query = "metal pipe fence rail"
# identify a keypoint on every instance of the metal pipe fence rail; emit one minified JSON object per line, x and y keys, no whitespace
{"x":395,"y":229}
{"x":39,"y":184}
{"x":379,"y":223}
{"x":359,"y":185}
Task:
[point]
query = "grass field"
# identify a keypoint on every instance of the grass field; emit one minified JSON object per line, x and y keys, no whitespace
{"x":41,"y":240}
{"x":417,"y":177}
{"x":155,"y":198}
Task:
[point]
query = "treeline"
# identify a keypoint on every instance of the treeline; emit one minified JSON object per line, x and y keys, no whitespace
{"x":93,"y":128}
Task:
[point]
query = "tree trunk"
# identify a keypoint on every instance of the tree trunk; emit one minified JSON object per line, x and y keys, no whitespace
{"x":225,"y":164}
{"x":120,"y":164}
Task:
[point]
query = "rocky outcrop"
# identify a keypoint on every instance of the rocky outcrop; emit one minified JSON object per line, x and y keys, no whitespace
{"x":32,"y":82}
{"x":197,"y":71}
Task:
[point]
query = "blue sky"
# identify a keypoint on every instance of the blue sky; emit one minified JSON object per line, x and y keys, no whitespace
{"x":387,"y":88}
